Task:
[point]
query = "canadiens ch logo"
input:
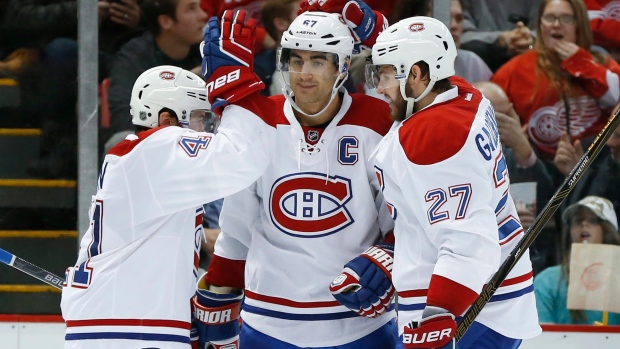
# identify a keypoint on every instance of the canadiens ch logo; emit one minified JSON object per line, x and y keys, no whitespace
{"x":306,"y":205}
{"x":416,"y":27}
{"x":166,"y":75}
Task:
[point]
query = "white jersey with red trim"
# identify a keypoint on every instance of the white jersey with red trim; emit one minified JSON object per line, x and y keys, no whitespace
{"x":137,"y":265}
{"x":317,"y":206}
{"x":445,"y":180}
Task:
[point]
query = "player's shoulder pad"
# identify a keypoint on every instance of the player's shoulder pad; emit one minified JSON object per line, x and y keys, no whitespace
{"x":279,"y":103}
{"x":440,"y":131}
{"x":125,"y":146}
{"x":369,"y":112}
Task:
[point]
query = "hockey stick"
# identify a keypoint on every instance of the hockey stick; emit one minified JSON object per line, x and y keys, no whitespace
{"x":31,"y":269}
{"x":556,"y":200}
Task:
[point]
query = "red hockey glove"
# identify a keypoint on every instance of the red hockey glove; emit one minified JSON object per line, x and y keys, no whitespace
{"x":365,"y":284}
{"x":365,"y":23}
{"x":228,"y":59}
{"x":434,"y":331}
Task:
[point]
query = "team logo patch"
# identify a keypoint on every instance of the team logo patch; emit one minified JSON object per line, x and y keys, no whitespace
{"x":166,"y":75}
{"x":306,"y":205}
{"x":416,"y":27}
{"x":192,"y":145}
{"x":339,"y":280}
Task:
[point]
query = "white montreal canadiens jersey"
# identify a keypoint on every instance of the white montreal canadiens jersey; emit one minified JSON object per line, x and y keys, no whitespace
{"x":315,"y":208}
{"x":445,"y":181}
{"x":136,"y":270}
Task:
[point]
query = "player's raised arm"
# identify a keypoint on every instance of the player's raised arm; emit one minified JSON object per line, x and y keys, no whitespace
{"x":227,"y":63}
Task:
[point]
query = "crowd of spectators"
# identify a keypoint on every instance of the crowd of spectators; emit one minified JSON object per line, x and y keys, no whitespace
{"x":549,"y":68}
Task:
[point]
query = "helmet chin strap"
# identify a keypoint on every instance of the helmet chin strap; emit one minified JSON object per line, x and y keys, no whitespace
{"x":411,"y":101}
{"x":288,"y":93}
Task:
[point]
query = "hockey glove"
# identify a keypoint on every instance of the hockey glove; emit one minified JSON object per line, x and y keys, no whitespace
{"x":365,"y":284}
{"x":216,"y":317}
{"x":228,"y":59}
{"x":365,"y":23}
{"x":436,"y":330}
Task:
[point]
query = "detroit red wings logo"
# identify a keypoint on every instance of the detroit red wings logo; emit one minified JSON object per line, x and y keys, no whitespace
{"x":546,"y":125}
{"x":309,"y":206}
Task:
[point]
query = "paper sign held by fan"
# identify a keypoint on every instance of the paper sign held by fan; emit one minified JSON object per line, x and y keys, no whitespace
{"x":594,"y":280}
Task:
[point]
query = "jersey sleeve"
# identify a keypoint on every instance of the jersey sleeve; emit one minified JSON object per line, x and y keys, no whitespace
{"x":600,"y":80}
{"x":604,"y":28}
{"x":177,"y":168}
{"x":240,"y":216}
{"x":386,"y":222}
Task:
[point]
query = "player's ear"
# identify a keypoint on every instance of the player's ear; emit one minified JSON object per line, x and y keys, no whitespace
{"x":415,"y":74}
{"x":167,"y":119}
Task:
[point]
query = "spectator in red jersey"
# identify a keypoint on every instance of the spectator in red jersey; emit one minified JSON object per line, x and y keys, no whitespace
{"x":560,"y":86}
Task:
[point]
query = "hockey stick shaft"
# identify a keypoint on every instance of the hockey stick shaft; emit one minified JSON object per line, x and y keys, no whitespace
{"x":31,"y":269}
{"x":556,"y":200}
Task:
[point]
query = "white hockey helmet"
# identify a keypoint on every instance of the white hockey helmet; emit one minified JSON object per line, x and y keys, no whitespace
{"x":319,"y":32}
{"x":410,"y":41}
{"x":169,"y":87}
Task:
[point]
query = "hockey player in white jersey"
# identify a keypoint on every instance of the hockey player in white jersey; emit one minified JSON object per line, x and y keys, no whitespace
{"x":317,"y":207}
{"x":444,"y":176}
{"x":137,"y":266}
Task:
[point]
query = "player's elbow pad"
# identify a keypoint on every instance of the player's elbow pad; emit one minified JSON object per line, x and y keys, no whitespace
{"x":216,"y":318}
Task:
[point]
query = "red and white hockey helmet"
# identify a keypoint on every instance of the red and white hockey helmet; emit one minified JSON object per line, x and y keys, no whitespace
{"x":410,"y":41}
{"x":169,"y":87}
{"x":319,"y":32}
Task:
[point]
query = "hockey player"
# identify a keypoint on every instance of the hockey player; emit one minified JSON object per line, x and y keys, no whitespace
{"x":317,"y":207}
{"x":444,"y":175}
{"x":136,"y":270}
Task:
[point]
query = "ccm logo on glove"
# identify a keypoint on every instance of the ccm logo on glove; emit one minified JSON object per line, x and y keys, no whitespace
{"x":223,"y":80}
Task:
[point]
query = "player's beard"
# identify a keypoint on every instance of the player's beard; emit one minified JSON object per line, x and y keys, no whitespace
{"x":398,"y":107}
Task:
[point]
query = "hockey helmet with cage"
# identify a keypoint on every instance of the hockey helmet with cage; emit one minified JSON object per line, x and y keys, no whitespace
{"x":173,"y":88}
{"x":318,"y":32}
{"x":410,"y":41}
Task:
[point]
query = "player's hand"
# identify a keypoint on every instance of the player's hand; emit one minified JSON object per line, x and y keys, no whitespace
{"x":216,"y":319}
{"x":435,"y":331}
{"x":329,"y":6}
{"x":365,"y":23}
{"x":227,"y":59}
{"x":365,"y":284}
{"x":230,"y":44}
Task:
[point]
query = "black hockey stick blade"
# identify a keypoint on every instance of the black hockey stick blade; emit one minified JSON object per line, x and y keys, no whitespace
{"x":31,"y":269}
{"x":556,"y":200}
